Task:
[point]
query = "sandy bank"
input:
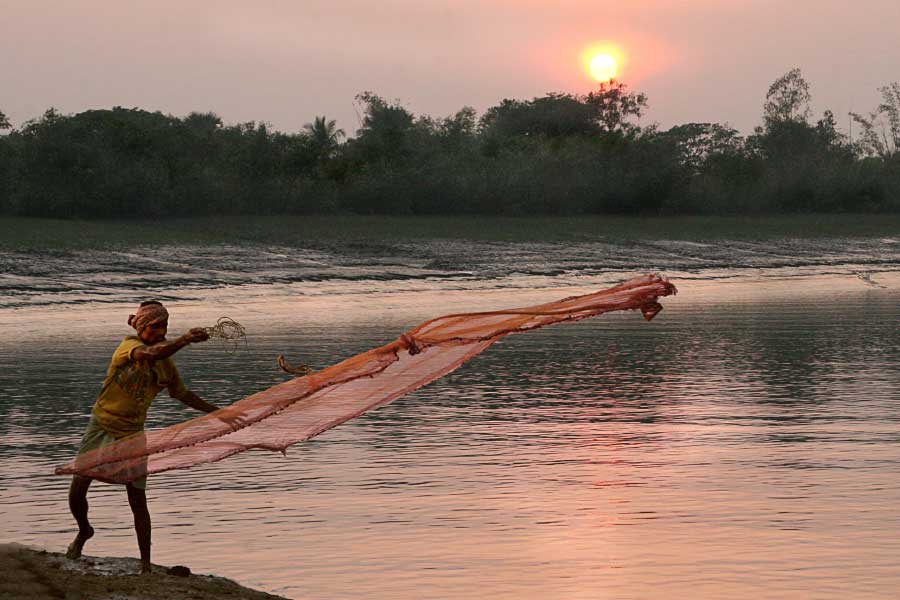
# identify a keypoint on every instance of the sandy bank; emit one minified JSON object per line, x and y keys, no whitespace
{"x":29,"y":574}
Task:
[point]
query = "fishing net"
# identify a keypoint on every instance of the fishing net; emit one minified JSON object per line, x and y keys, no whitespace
{"x":304,"y":407}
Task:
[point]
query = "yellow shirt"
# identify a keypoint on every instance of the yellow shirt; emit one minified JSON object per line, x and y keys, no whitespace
{"x":130,"y":386}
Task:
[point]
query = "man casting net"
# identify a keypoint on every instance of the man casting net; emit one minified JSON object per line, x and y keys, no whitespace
{"x":304,"y":407}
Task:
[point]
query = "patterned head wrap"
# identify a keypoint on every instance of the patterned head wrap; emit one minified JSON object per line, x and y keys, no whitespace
{"x":148,"y":314}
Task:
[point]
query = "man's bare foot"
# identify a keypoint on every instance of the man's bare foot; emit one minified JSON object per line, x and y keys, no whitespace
{"x":74,"y":549}
{"x":146,"y":568}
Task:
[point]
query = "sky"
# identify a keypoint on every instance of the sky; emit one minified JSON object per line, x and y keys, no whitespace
{"x":284,"y":62}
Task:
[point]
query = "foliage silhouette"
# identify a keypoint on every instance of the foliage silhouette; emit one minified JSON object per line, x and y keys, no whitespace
{"x":555,"y":154}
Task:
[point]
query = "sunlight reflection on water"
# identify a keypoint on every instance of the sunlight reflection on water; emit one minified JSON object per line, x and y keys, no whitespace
{"x":738,"y":446}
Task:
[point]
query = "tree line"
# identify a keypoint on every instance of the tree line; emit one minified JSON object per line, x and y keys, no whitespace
{"x":556,"y":154}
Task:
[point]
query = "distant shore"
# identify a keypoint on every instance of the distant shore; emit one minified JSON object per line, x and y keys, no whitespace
{"x":19,"y":233}
{"x":29,"y":574}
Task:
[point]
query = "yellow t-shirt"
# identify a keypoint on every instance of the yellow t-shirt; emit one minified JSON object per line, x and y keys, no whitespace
{"x":130,"y":386}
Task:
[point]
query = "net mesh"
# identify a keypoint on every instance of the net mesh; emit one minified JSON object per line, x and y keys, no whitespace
{"x":304,"y":407}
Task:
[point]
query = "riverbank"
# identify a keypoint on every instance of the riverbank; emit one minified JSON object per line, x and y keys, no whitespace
{"x":30,"y":574}
{"x":19,"y":233}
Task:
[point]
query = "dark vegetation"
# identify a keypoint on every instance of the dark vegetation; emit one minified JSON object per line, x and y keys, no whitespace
{"x":559,"y":154}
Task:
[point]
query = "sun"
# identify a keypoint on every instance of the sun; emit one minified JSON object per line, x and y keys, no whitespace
{"x":603,"y":67}
{"x":603,"y":61}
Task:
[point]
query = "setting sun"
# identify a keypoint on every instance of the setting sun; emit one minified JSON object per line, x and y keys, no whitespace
{"x":603,"y":61}
{"x":603,"y":67}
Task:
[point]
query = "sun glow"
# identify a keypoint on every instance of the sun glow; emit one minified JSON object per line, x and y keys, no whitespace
{"x":603,"y":61}
{"x":603,"y":67}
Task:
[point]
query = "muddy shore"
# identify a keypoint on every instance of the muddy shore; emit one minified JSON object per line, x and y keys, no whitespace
{"x":31,"y":574}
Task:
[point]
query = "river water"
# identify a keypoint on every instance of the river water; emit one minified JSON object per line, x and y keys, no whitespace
{"x":745,"y":443}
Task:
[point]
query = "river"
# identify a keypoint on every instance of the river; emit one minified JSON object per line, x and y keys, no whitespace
{"x":742,"y":444}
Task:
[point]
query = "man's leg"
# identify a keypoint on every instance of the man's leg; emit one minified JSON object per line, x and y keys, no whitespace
{"x":78,"y":504}
{"x":137,"y":499}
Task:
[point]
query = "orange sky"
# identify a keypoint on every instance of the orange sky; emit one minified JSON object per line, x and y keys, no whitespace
{"x":286,"y":61}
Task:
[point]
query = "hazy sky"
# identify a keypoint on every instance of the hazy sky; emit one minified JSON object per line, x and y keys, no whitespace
{"x":284,"y":62}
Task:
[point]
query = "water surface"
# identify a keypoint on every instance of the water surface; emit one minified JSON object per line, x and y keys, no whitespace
{"x":743,"y":444}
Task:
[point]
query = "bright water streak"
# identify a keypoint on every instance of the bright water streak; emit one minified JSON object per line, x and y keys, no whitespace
{"x":743,"y":444}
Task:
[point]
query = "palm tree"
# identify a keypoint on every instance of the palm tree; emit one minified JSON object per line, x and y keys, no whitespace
{"x":323,"y":135}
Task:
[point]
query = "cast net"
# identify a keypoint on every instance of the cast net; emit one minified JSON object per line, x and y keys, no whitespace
{"x":304,"y":407}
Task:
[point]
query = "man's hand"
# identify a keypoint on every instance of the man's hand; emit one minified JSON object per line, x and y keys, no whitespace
{"x":234,"y":418}
{"x":197,"y":334}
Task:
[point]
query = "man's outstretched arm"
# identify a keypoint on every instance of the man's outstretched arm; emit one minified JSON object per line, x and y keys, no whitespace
{"x":169,"y":347}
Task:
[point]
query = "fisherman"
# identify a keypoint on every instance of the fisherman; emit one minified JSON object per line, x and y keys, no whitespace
{"x":141,"y":366}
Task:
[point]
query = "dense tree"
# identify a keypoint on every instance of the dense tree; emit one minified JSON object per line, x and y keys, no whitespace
{"x":459,"y":128}
{"x":554,"y":154}
{"x":605,"y":110}
{"x":787,"y":100}
{"x":384,"y":137}
{"x":324,"y":136}
{"x":697,"y":143}
{"x":613,"y":105}
{"x":881,"y":128}
{"x":890,"y":108}
{"x":805,"y":167}
{"x":7,"y":168}
{"x":553,"y":115}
